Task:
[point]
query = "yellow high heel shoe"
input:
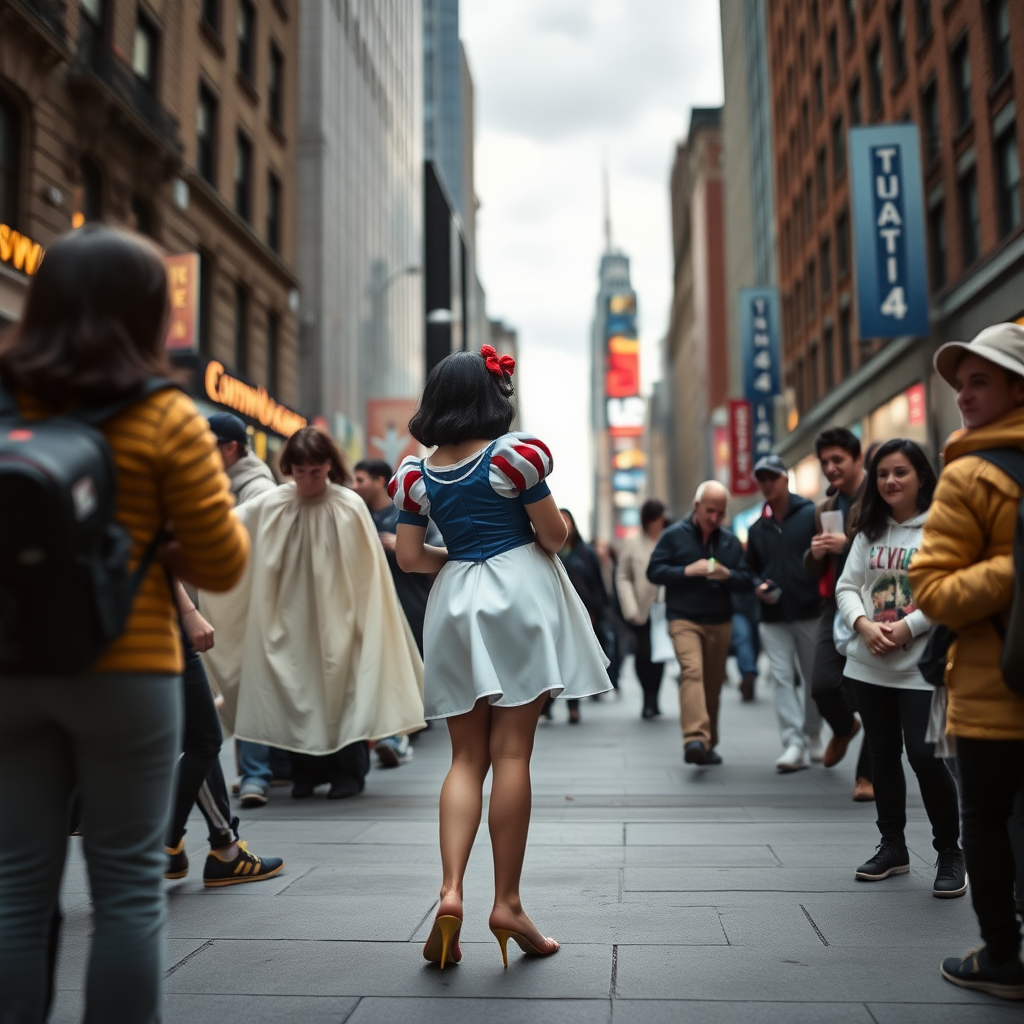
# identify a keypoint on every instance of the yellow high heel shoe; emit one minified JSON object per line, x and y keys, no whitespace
{"x":503,"y":935}
{"x":444,"y":933}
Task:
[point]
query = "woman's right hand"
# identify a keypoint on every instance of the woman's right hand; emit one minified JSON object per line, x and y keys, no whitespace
{"x":876,"y":636}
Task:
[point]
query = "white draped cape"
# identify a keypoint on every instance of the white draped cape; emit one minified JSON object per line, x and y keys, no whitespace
{"x":312,"y":651}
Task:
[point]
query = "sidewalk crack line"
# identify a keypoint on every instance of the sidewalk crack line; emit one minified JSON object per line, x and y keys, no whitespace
{"x":615,"y":973}
{"x":348,"y":1016}
{"x":184,"y":960}
{"x":423,"y":919}
{"x":817,"y":930}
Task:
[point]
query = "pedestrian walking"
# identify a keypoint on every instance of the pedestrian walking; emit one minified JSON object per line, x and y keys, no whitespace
{"x":963,"y":578}
{"x":91,"y":339}
{"x":790,"y":610}
{"x":313,"y":653}
{"x":504,"y":627}
{"x":842,"y":463}
{"x":889,"y":636}
{"x":744,"y":646}
{"x":371,"y":479}
{"x":637,"y":594}
{"x":701,"y":565}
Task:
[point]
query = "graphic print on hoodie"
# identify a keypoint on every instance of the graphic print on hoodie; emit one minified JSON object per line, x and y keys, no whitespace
{"x":891,"y":596}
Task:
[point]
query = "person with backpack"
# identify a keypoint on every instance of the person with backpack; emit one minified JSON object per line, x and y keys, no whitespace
{"x":963,"y":577}
{"x":889,"y":633}
{"x":106,"y":471}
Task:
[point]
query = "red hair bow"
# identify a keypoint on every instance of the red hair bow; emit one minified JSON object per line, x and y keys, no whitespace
{"x":498,"y":365}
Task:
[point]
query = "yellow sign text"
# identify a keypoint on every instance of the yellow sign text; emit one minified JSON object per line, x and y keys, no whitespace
{"x":250,"y":401}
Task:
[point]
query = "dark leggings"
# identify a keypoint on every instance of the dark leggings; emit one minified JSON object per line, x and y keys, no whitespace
{"x":648,"y":672}
{"x":991,"y":782}
{"x":893,"y":717}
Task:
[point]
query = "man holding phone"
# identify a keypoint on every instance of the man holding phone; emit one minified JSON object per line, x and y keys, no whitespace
{"x":791,"y":608}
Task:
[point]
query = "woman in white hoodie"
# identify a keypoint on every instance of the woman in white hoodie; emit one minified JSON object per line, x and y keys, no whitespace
{"x":890,"y":633}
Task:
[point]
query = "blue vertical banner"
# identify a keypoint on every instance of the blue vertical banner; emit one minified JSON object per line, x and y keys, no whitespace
{"x":888,"y":231}
{"x":762,"y":362}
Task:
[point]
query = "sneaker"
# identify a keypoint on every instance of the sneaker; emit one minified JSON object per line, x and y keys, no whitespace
{"x":747,"y":684}
{"x":836,"y":749}
{"x":863,"y":790}
{"x":253,"y":793}
{"x":393,"y":751}
{"x":977,"y":971}
{"x":712,"y":757}
{"x":815,"y":749}
{"x":889,"y":859}
{"x":794,"y":758}
{"x":177,"y":861}
{"x":695,"y":752}
{"x":951,"y":874}
{"x":344,"y":788}
{"x":246,"y":867}
{"x":302,"y":790}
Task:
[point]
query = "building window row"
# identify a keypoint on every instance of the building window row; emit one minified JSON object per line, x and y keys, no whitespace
{"x":10,"y":161}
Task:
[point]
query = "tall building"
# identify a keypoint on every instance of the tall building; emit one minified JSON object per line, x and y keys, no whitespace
{"x":178,"y":120}
{"x":696,"y":349}
{"x":444,"y":114}
{"x":360,"y":211}
{"x":948,"y":67}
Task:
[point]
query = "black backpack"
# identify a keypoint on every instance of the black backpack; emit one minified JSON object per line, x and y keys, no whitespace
{"x":66,"y":589}
{"x":936,"y":653}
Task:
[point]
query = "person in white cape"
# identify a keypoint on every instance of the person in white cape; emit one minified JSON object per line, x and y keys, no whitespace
{"x":313,"y":652}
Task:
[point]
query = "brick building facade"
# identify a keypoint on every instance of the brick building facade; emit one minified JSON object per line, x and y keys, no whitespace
{"x":947,"y":65}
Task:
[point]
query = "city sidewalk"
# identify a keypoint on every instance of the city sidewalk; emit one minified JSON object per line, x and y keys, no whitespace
{"x":715,"y":895}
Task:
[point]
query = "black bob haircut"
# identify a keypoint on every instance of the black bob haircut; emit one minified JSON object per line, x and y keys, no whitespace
{"x":871,"y":511}
{"x":838,"y":437}
{"x":462,"y":401}
{"x":377,"y":468}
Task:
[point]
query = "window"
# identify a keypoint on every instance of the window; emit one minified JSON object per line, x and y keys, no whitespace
{"x":210,"y":13}
{"x":815,"y":20}
{"x":787,"y":240}
{"x":10,"y":162}
{"x":937,"y":245}
{"x":898,"y":35}
{"x":833,"y":57}
{"x":828,"y":346}
{"x":813,"y":371}
{"x":206,"y":136}
{"x":930,"y":121}
{"x":142,"y":217}
{"x":87,"y":195}
{"x":802,"y":51}
{"x":205,"y":302}
{"x":999,"y":37}
{"x":144,"y":51}
{"x":851,"y":22}
{"x":808,"y":206}
{"x":826,"y":268}
{"x":275,"y":85}
{"x":243,"y":177}
{"x":843,"y":244}
{"x":875,"y":78}
{"x":1008,"y":182}
{"x":856,"y":107}
{"x":812,"y":290}
{"x":805,"y":125}
{"x":845,"y":344}
{"x":246,"y":38}
{"x":822,"y":176}
{"x":273,"y":325}
{"x":838,"y":148}
{"x":970,"y":219}
{"x":819,"y":92}
{"x":90,"y":30}
{"x":274,"y":212}
{"x":798,"y":303}
{"x":241,"y":329}
{"x":801,"y":386}
{"x":924,"y":21}
{"x":961,"y":61}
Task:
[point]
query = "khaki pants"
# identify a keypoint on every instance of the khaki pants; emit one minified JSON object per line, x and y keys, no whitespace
{"x":702,"y":651}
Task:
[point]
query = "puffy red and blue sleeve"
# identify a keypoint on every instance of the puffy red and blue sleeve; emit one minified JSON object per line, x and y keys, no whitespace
{"x":409,"y":493}
{"x":520,"y":464}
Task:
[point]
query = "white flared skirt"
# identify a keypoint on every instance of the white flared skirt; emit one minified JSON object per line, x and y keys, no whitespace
{"x":508,"y":629}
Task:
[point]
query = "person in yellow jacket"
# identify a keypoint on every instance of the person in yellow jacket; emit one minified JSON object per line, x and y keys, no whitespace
{"x":962,"y":578}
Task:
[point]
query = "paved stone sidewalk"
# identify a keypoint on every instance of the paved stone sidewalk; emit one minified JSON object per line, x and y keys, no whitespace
{"x":715,"y":895}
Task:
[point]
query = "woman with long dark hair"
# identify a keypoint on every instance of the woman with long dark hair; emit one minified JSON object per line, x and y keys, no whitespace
{"x":92,"y":336}
{"x":890,"y":632}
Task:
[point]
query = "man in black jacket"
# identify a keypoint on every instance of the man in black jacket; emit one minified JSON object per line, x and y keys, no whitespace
{"x":700,"y":565}
{"x":791,"y":608}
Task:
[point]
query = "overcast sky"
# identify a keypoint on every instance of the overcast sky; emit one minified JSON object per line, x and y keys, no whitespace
{"x":560,"y":86}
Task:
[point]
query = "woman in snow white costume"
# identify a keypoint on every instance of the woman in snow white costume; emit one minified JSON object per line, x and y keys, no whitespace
{"x":504,"y":627}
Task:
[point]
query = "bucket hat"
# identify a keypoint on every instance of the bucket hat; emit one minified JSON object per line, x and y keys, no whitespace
{"x":1002,"y":344}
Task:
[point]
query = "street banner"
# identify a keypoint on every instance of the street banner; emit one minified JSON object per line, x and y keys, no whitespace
{"x":762,"y":362}
{"x":741,"y":458}
{"x":183,"y":291}
{"x":888,"y":231}
{"x":387,"y":429}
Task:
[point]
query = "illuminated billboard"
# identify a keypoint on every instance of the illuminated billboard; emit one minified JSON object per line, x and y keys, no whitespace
{"x":622,"y":378}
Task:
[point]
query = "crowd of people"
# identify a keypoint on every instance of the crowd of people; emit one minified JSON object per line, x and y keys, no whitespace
{"x":338,"y":613}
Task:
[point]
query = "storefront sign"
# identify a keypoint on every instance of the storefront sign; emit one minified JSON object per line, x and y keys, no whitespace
{"x":888,"y":231}
{"x":19,"y":252}
{"x":741,"y":458}
{"x":387,"y":429}
{"x":762,"y":361}
{"x":183,"y":289}
{"x":251,"y":401}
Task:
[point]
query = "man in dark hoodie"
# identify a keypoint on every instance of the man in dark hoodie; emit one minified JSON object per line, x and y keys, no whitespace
{"x":791,"y":608}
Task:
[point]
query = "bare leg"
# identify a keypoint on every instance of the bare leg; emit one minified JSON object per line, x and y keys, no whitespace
{"x":462,"y":803}
{"x":512,"y":735}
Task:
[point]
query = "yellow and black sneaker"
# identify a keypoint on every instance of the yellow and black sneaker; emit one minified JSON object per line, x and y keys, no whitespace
{"x":177,"y":861}
{"x":246,"y":867}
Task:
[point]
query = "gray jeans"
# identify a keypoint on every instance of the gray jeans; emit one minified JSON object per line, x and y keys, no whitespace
{"x":787,"y":645}
{"x":115,"y":738}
